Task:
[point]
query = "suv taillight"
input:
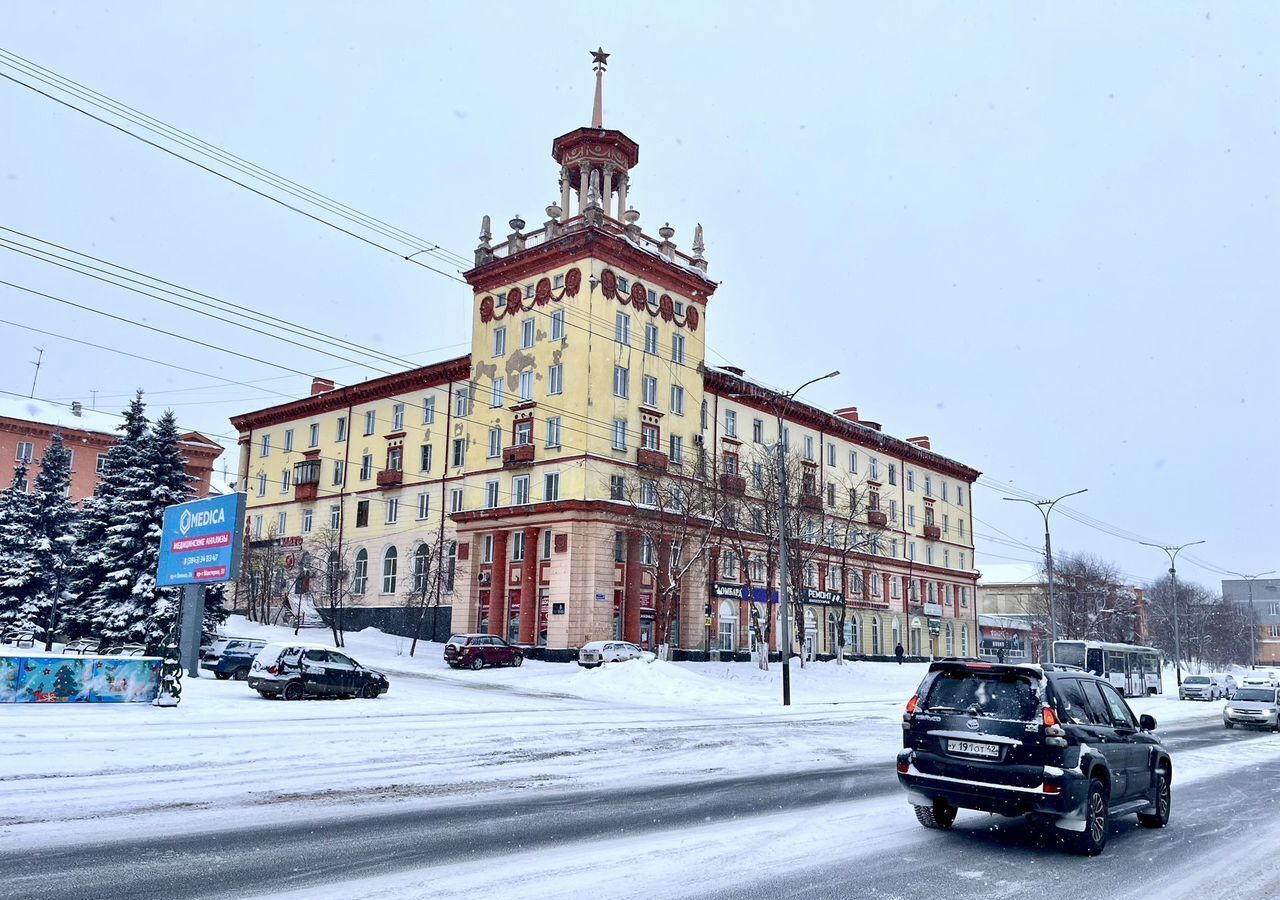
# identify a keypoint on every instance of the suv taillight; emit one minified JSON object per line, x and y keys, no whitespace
{"x":273,"y":670}
{"x":912,"y":704}
{"x":1050,"y":719}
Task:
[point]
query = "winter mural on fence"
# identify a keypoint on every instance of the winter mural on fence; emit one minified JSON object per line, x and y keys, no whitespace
{"x":80,"y":679}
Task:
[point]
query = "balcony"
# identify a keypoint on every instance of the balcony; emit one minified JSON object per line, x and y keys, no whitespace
{"x":932,"y":532}
{"x":305,"y":491}
{"x":733,"y":484}
{"x":651,"y":459}
{"x":875,"y":517}
{"x":517,"y":457}
{"x":389,"y":478}
{"x":811,"y":502}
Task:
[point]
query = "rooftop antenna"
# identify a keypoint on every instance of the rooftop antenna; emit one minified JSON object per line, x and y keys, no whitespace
{"x":93,"y":399}
{"x":36,"y":362}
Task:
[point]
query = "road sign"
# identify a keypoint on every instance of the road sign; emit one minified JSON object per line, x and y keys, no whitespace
{"x":200,"y":543}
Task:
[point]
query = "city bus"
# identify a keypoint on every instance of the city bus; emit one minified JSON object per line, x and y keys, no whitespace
{"x":1132,"y":669}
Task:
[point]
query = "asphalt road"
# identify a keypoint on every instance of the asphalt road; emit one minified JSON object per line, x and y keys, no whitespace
{"x":982,"y":857}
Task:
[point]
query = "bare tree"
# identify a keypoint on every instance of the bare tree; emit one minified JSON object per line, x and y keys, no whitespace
{"x":263,"y":586}
{"x":749,"y":531}
{"x":332,"y":588}
{"x":1213,"y":632}
{"x":430,"y":575}
{"x":1092,"y":601}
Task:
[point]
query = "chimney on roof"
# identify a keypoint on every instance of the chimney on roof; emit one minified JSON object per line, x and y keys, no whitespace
{"x":849,"y":412}
{"x":736,"y":370}
{"x":321,"y":386}
{"x":922,"y":442}
{"x":76,"y":407}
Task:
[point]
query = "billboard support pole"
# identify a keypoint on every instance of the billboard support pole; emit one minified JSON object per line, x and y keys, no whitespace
{"x":192,"y":626}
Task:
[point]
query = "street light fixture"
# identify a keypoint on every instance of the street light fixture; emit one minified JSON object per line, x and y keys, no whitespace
{"x":1046,"y":507}
{"x":1253,"y":622}
{"x":1173,"y":574}
{"x":784,"y":587}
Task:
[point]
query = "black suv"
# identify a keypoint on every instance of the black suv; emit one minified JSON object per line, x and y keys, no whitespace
{"x":1051,"y":743}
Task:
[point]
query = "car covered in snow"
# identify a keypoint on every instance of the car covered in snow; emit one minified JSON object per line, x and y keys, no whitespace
{"x":1056,"y":745}
{"x":232,"y":657}
{"x":1256,"y":706}
{"x":292,"y":670}
{"x":1260,"y":679}
{"x":475,"y":651}
{"x":597,"y":653}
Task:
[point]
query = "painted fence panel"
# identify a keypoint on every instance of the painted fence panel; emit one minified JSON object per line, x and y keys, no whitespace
{"x":79,"y":679}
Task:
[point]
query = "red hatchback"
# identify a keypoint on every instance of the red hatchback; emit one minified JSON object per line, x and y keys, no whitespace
{"x":475,"y":651}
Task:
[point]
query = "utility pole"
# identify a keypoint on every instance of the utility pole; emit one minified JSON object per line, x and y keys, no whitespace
{"x":1046,"y":507}
{"x":36,"y":362}
{"x":1253,"y":621}
{"x":1173,"y":574}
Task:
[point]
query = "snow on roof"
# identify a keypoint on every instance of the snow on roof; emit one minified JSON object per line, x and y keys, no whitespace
{"x":58,"y":415}
{"x":1009,"y":573}
{"x":1013,"y":623}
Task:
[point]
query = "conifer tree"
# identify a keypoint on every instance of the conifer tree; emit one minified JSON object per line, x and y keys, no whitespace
{"x":53,"y":537}
{"x":18,"y":575}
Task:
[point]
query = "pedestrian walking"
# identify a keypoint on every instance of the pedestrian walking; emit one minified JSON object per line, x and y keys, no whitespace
{"x":899,"y":652}
{"x":1000,"y":655}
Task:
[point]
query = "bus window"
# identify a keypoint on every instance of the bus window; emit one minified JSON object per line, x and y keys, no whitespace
{"x":1069,"y":653}
{"x":1115,"y":662}
{"x":1094,"y":663}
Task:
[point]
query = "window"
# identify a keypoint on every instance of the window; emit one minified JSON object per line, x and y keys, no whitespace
{"x":421,"y":568}
{"x":944,"y":492}
{"x":831,"y":455}
{"x":523,"y":432}
{"x":831,"y":493}
{"x":288,"y":440}
{"x":893,"y":474}
{"x":529,"y":290}
{"x":282,"y":522}
{"x":928,"y":485}
{"x":963,"y":560}
{"x":428,"y":410}
{"x":960,"y":528}
{"x":649,"y":492}
{"x":366,"y":467}
{"x":546,"y":543}
{"x":451,"y":566}
{"x":264,"y":451}
{"x":517,"y":547}
{"x":911,"y":480}
{"x":946,"y":557}
{"x":370,"y":422}
{"x":911,"y":550}
{"x":555,"y":379}
{"x":895,"y":587}
{"x":1273,"y":609}
{"x":455,"y":500}
{"x":853,"y":461}
{"x":553,"y":431}
{"x":313,"y":435}
{"x":360,"y":572}
{"x":424,"y":505}
{"x":619,"y":434}
{"x":622,"y":328}
{"x":1275,"y":631}
{"x":959,"y":495}
{"x":757,"y":430}
{"x":520,"y":490}
{"x":395,"y":459}
{"x":335,"y":516}
{"x":649,"y":436}
{"x":362,"y":514}
{"x":729,"y":565}
{"x":647,"y":551}
{"x":946,"y":524}
{"x":617,"y":487}
{"x":651,"y":338}
{"x":649,"y":390}
{"x":873,"y":469}
{"x":928,"y":555}
{"x":557,"y":324}
{"x":677,"y":450}
{"x":486,"y":549}
{"x":677,"y":348}
{"x":620,"y":379}
{"x":262,"y":484}
{"x":424,"y":460}
{"x":462,"y":401}
{"x":257,"y":526}
{"x":757,"y":474}
{"x":928,"y":514}
{"x":730,"y":423}
{"x":392,"y":507}
{"x":100,"y":464}
{"x":397,"y":417}
{"x":499,"y":341}
{"x":526,"y":386}
{"x":490,"y":494}
{"x":495,"y":395}
{"x":551,"y":486}
{"x":341,"y":429}
{"x":624,"y":285}
{"x":339,"y":467}
{"x":526,"y":334}
{"x":911,"y":515}
{"x":389,"y":571}
{"x":284,"y":482}
{"x":786,"y":438}
{"x":808,"y":446}
{"x":459,"y":451}
{"x":495,"y":442}
{"x":893,"y":510}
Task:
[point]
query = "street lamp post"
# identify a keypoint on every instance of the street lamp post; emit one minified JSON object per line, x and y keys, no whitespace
{"x":1046,"y":507}
{"x":1253,"y":621}
{"x":1173,"y":575}
{"x":784,"y":587}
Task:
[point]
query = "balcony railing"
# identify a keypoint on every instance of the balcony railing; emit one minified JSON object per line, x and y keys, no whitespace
{"x":733,"y":484}
{"x":932,"y":532}
{"x":518,"y":456}
{"x":875,"y":517}
{"x":811,"y":501}
{"x":651,"y":459}
{"x":305,"y":491}
{"x":390,"y":478}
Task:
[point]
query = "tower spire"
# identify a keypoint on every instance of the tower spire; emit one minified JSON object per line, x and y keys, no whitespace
{"x":600,"y":61}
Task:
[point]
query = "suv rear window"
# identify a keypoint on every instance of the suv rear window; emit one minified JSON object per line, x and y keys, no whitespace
{"x":986,"y":694}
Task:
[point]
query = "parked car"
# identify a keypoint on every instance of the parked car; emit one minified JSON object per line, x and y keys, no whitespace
{"x":232,"y":658}
{"x":1256,"y":706}
{"x":1260,"y":679}
{"x":1059,"y":746}
{"x":597,"y":653}
{"x":292,"y":670}
{"x":475,"y":651}
{"x":1202,"y":687}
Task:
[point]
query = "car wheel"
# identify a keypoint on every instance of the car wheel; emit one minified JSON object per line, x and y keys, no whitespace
{"x":369,"y":692}
{"x":518,"y":661}
{"x":941,"y":815}
{"x":1228,"y":725}
{"x":267,"y":695}
{"x":222,"y":676}
{"x":1164,"y":800}
{"x":477,"y":662}
{"x":242,"y":673}
{"x":1093,"y":839}
{"x":292,"y":691}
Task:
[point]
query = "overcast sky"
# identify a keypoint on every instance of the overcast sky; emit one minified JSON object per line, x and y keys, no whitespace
{"x":1042,"y":234}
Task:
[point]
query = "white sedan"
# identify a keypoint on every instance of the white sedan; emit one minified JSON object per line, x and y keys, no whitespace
{"x":1260,"y":679}
{"x":597,"y":653}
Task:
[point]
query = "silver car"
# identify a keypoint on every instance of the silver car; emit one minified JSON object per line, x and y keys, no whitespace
{"x":1202,"y":687}
{"x":1257,"y":706}
{"x":597,"y":653}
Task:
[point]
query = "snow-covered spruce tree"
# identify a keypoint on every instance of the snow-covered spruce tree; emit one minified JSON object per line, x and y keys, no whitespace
{"x":19,"y":578}
{"x":97,"y":515}
{"x":128,"y":606}
{"x":53,"y":538}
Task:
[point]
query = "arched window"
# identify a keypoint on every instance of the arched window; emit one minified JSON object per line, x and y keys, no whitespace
{"x":728,"y":632}
{"x":421,"y":566}
{"x":833,"y":633}
{"x":331,"y":573}
{"x":875,"y":636}
{"x":852,"y":640}
{"x":951,"y":641}
{"x":360,"y":574}
{"x":389,"y":571}
{"x":897,"y":634}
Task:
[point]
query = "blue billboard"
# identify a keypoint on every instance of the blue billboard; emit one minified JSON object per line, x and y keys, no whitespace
{"x":201,"y":541}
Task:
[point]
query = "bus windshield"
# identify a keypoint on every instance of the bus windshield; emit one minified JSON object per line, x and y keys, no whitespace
{"x":1069,"y":653}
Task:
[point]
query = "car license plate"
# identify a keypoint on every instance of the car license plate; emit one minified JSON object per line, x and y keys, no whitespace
{"x":973,"y":748}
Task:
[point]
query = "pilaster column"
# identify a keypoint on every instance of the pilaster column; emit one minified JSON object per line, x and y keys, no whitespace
{"x":624,"y":181}
{"x":529,"y":589}
{"x":607,"y":200}
{"x":498,"y":586}
{"x":564,"y":192}
{"x":666,"y":606}
{"x":631,"y":590}
{"x":584,"y":177}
